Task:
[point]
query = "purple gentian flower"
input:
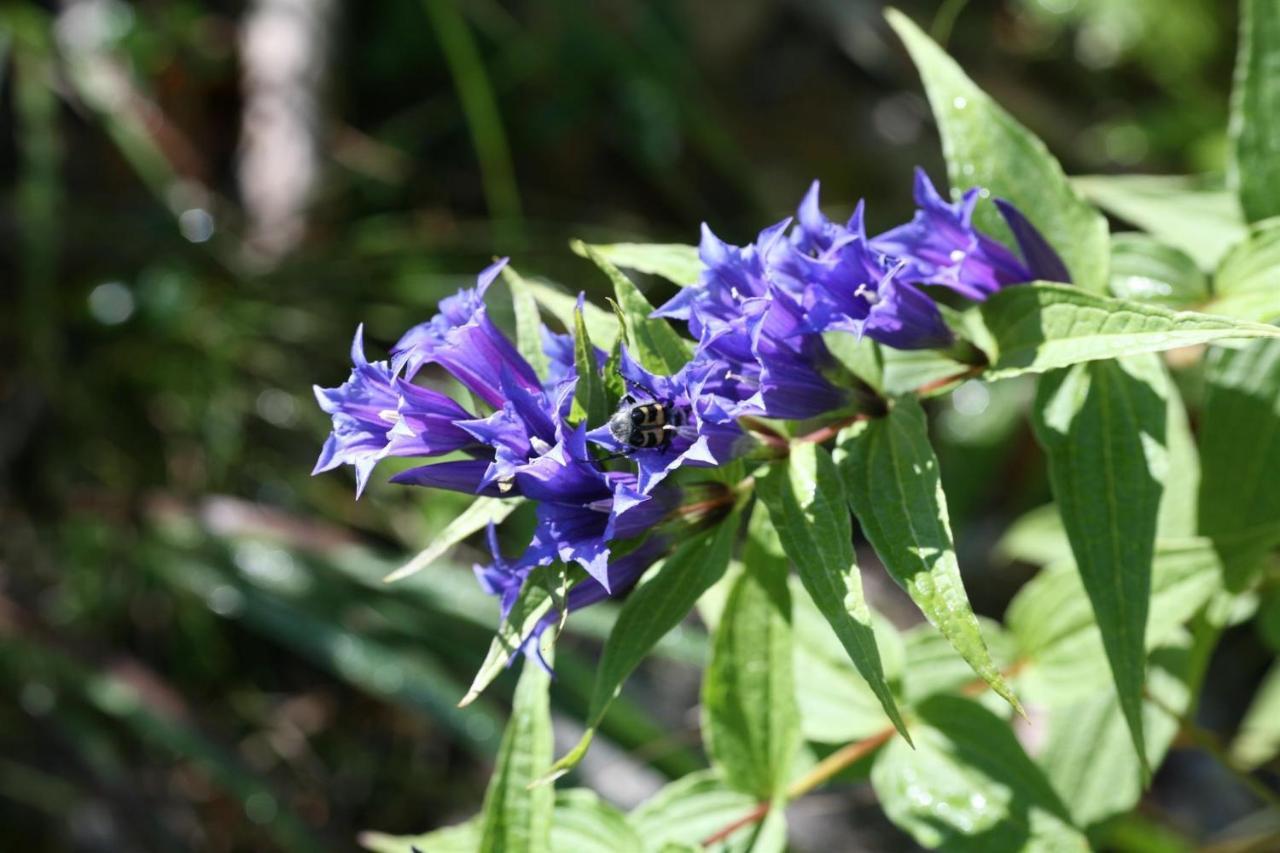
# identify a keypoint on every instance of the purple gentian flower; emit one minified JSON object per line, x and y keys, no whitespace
{"x":749,"y":317}
{"x":464,"y":341}
{"x":704,"y":397}
{"x":855,"y":288}
{"x":504,"y":579}
{"x":376,"y":415}
{"x":940,"y":245}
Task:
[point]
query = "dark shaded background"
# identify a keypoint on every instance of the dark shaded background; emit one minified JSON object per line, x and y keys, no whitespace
{"x":202,"y":199}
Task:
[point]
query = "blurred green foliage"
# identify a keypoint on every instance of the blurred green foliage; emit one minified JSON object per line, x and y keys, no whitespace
{"x":196,"y":648}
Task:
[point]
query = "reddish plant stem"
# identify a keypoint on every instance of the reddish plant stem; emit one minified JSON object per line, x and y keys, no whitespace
{"x":822,"y":772}
{"x":936,"y":385}
{"x":827,"y":768}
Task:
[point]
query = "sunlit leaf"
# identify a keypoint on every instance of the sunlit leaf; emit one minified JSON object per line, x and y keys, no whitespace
{"x":1247,"y":284}
{"x":1040,"y":327}
{"x":1259,"y":739}
{"x":1057,"y":633}
{"x":676,"y":262}
{"x":748,"y":692}
{"x":689,"y":810}
{"x":986,"y":147}
{"x":528,"y":321}
{"x":1143,"y":269}
{"x":892,"y":481}
{"x":968,"y":785}
{"x":1255,"y":111}
{"x":807,"y":504}
{"x":654,"y":343}
{"x":649,"y":612}
{"x":1088,"y":755}
{"x":1102,"y":427}
{"x":1240,"y":452}
{"x":589,"y":394}
{"x":1202,"y":220}
{"x":516,"y":816}
{"x":584,"y":823}
{"x":482,"y":512}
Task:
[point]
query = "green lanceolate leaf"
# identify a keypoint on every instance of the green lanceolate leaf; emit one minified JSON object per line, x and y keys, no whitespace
{"x":1259,"y":738}
{"x":676,"y":262}
{"x":581,"y":823}
{"x":516,"y":816}
{"x":648,"y":614}
{"x":807,"y":505}
{"x":602,"y":325}
{"x":1040,"y":327}
{"x":749,"y":711}
{"x":544,"y":591}
{"x":892,"y":481}
{"x":987,"y":147}
{"x":969,"y":786}
{"x":462,"y":838}
{"x":584,"y":823}
{"x":1240,"y":452}
{"x":528,"y":321}
{"x":483,"y":512}
{"x":1255,"y":111}
{"x":1087,"y":755}
{"x":837,"y":705}
{"x":590,"y":394}
{"x":1202,"y":220}
{"x":1102,"y":427}
{"x":1181,"y":498}
{"x":1057,"y":632}
{"x":1143,"y":269}
{"x":656,"y":344}
{"x":689,"y":810}
{"x":1247,"y":284}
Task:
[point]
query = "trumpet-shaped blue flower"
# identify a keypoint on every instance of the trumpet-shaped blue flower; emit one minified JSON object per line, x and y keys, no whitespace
{"x":376,"y":415}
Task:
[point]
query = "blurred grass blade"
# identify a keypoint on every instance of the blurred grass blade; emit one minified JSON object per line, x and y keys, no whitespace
{"x":987,"y":147}
{"x":484,"y":120}
{"x":676,"y":262}
{"x":656,"y":345}
{"x":649,"y":613}
{"x":1255,"y":111}
{"x":483,"y":512}
{"x":807,"y":505}
{"x":528,"y":321}
{"x":1102,"y":427}
{"x":1039,"y":327}
{"x":750,"y":718}
{"x":516,"y":817}
{"x":893,"y":483}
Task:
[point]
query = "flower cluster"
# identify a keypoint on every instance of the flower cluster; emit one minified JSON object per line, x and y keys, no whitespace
{"x":757,"y":314}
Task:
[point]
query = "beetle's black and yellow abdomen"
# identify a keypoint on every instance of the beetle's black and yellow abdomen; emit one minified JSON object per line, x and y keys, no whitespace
{"x":646,"y":425}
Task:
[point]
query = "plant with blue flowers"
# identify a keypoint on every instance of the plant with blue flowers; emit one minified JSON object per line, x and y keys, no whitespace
{"x":694,"y":454}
